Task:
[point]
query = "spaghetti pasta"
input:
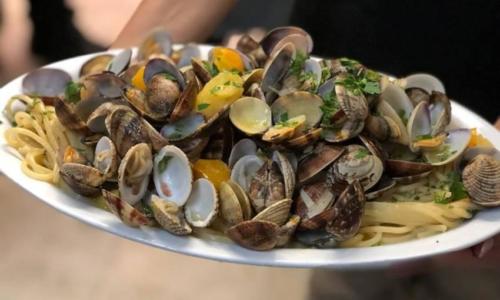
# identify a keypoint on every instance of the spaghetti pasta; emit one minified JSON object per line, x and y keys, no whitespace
{"x":38,"y":136}
{"x":408,"y":212}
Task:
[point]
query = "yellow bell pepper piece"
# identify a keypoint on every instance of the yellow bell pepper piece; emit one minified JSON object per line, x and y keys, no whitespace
{"x":138,"y":79}
{"x":227,"y":59}
{"x":212,"y":169}
{"x":219,"y":92}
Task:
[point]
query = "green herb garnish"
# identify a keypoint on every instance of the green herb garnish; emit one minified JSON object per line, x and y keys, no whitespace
{"x":283,"y":117}
{"x":215,"y":89}
{"x":361,"y":153}
{"x":297,"y":64}
{"x":163,"y":163}
{"x":211,"y":68}
{"x":72,"y":92}
{"x":203,"y":106}
{"x":329,"y":108}
{"x":325,"y":74}
{"x":441,"y":198}
{"x":457,"y":188}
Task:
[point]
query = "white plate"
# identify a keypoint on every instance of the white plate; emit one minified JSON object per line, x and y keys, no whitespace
{"x":484,"y":225}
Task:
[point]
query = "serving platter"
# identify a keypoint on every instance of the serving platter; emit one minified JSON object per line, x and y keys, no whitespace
{"x":484,"y":224}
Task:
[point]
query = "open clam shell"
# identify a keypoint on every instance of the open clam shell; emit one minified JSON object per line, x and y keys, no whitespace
{"x":275,"y":70}
{"x":313,"y":199}
{"x":161,"y":66}
{"x":277,"y":213}
{"x":96,"y":64}
{"x":267,"y":186}
{"x":357,"y":164}
{"x":133,"y":173}
{"x":45,"y":82}
{"x":120,"y":62}
{"x":106,"y":157}
{"x":255,"y":235}
{"x":172,"y":175}
{"x":241,"y":148}
{"x":481,"y":178}
{"x":295,"y":35}
{"x":158,"y":42}
{"x":296,"y":104}
{"x":182,"y":128}
{"x":124,"y":211}
{"x":202,"y":205}
{"x":67,"y":116}
{"x":170,"y":216}
{"x":245,"y":169}
{"x":287,"y":171}
{"x":454,"y":145}
{"x":426,"y":82}
{"x":250,"y":115}
{"x":397,"y":129}
{"x":96,"y":120}
{"x":398,"y":100}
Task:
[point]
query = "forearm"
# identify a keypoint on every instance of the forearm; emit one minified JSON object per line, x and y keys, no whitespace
{"x":186,"y":20}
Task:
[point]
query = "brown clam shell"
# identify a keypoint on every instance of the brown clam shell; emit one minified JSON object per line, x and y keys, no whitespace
{"x":321,"y":158}
{"x":481,"y":178}
{"x":277,"y":212}
{"x":287,"y":230}
{"x":82,"y":179}
{"x":126,"y":212}
{"x":169,"y":216}
{"x":255,"y":235}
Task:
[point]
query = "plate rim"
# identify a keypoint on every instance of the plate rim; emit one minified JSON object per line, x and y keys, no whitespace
{"x":72,"y":205}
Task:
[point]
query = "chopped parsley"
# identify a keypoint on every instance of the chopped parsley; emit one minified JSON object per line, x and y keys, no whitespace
{"x":215,"y":89}
{"x":361,"y":153}
{"x":297,"y":64}
{"x":211,"y":68}
{"x":325,"y":74}
{"x":283,"y":117}
{"x":310,"y":78}
{"x":203,"y":106}
{"x":441,"y":198}
{"x":163,"y":163}
{"x":359,"y":80}
{"x":329,"y":107}
{"x":457,"y":188}
{"x":72,"y":92}
{"x":350,"y":64}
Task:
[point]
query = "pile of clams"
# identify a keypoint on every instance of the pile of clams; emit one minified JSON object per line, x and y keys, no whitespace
{"x":261,"y":142}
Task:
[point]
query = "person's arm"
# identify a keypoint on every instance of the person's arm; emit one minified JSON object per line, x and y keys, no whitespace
{"x":185,"y":20}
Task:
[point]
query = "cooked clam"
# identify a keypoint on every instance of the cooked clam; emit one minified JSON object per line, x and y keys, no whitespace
{"x":255,"y":235}
{"x":202,"y":205}
{"x":296,"y":104}
{"x":481,"y":179}
{"x":82,"y":179}
{"x":170,"y":216}
{"x":245,"y":169}
{"x":106,"y":157}
{"x":277,"y":212}
{"x":126,"y":212}
{"x":46,"y":82}
{"x":172,"y":175}
{"x":250,"y":115}
{"x":133,"y":173}
{"x":230,"y":208}
{"x":125,"y":129}
{"x":322,"y":156}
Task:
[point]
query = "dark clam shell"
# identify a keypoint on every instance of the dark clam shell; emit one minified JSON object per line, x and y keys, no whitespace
{"x":45,"y":82}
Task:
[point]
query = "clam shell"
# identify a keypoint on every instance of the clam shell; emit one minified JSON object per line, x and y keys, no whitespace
{"x":278,"y":212}
{"x":384,"y":184}
{"x":172,"y":175}
{"x":230,"y":208}
{"x":255,"y":235}
{"x":348,"y":129}
{"x":125,"y":212}
{"x":354,"y":106}
{"x":398,"y":100}
{"x":419,"y":124}
{"x":246,"y":206}
{"x":313,"y":199}
{"x":287,"y":230}
{"x":133,"y":173}
{"x":120,"y":62}
{"x":267,"y":186}
{"x":82,"y":179}
{"x":241,"y":148}
{"x":157,"y":42}
{"x":96,"y":120}
{"x":95,"y":65}
{"x":69,"y":118}
{"x":481,"y":178}
{"x":398,"y":129}
{"x":296,"y":104}
{"x":402,"y":168}
{"x":287,"y":171}
{"x":290,"y":34}
{"x":106,"y":157}
{"x":440,"y":112}
{"x":452,"y":148}
{"x":202,"y":205}
{"x":351,"y":167}
{"x":125,"y":129}
{"x":169,"y":216}
{"x":250,"y":115}
{"x":244,"y":170}
{"x":308,"y":138}
{"x":426,"y":82}
{"x":45,"y":82}
{"x":317,"y":238}
{"x":321,"y":158}
{"x":275,"y":70}
{"x":349,"y":209}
